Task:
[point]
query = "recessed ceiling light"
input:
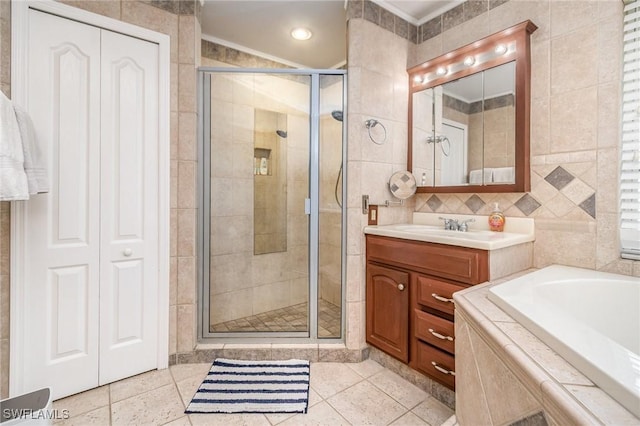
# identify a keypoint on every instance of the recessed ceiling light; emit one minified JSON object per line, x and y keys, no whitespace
{"x":301,"y":34}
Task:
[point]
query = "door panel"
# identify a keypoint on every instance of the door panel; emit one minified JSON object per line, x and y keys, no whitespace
{"x":68,"y":288}
{"x":129,"y":196}
{"x":387,"y":310}
{"x":62,"y":239}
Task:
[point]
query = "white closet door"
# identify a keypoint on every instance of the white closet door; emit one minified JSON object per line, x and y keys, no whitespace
{"x":129,"y":212}
{"x":62,"y":244}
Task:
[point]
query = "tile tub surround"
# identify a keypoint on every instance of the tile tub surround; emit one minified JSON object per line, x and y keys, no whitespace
{"x":505,"y":373}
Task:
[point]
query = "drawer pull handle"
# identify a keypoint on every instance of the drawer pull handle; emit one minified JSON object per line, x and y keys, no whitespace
{"x":440,"y":336}
{"x":400,"y":287}
{"x":442,"y":370}
{"x":440,"y":298}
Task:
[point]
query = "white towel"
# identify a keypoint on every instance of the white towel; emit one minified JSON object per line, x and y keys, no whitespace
{"x":504,"y":175}
{"x":34,"y":165}
{"x":475,"y":176}
{"x":480,"y":176}
{"x":13,"y":179}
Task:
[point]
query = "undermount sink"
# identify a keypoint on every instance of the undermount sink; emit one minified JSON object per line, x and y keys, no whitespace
{"x":473,"y":238}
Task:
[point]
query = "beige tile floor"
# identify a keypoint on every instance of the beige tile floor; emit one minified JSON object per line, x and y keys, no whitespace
{"x":341,"y":394}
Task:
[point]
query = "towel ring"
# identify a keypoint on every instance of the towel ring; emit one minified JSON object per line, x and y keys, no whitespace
{"x":441,"y":140}
{"x":372,"y":122}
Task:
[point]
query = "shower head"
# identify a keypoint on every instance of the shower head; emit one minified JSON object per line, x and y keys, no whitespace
{"x":281,"y":133}
{"x":337,"y":115}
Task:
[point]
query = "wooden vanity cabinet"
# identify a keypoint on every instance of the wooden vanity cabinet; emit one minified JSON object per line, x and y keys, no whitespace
{"x":409,"y":300}
{"x":387,"y":303}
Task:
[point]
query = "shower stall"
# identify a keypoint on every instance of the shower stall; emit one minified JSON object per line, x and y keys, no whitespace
{"x":271,"y":225}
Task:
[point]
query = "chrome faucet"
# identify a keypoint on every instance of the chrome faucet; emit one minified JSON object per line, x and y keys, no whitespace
{"x":450,"y":224}
{"x":454,"y":225}
{"x":463,"y":226}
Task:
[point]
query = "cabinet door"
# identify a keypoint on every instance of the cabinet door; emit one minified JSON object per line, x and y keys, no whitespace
{"x":388,"y":310}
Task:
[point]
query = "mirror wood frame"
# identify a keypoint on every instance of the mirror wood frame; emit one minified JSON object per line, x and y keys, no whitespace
{"x":517,"y":35}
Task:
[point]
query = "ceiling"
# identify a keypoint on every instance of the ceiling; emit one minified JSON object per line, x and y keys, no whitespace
{"x":262,"y":27}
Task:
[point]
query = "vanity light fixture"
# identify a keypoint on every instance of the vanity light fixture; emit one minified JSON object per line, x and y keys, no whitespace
{"x":441,"y":71}
{"x":301,"y":33}
{"x":501,"y":49}
{"x":469,"y":61}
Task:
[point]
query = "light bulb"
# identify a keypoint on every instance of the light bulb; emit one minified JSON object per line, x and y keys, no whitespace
{"x":441,"y":71}
{"x":469,"y":60}
{"x":301,"y":34}
{"x":501,"y":49}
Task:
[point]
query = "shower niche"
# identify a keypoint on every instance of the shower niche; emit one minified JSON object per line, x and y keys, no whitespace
{"x":269,"y":182}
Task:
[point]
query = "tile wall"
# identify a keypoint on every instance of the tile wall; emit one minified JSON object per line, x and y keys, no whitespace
{"x":575,"y":89}
{"x":378,"y":88}
{"x":180,"y":20}
{"x":574,"y":127}
{"x":266,"y":281}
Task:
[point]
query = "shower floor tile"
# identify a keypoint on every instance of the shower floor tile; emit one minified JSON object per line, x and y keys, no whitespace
{"x":291,"y":318}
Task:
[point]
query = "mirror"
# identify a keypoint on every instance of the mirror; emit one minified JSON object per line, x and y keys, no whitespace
{"x":469,"y":116}
{"x":269,"y":182}
{"x":402,"y":185}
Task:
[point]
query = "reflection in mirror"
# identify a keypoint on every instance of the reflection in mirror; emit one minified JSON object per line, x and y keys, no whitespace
{"x":500,"y":123}
{"x":476,"y":131}
{"x":270,"y":182}
{"x":423,"y":152}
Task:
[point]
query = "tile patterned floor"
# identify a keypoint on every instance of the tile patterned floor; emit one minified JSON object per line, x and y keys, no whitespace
{"x":341,"y":394}
{"x":291,"y":318}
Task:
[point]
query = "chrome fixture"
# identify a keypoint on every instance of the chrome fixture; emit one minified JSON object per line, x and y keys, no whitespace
{"x":369,"y":124}
{"x":441,"y":140}
{"x":455,"y":225}
{"x":282,"y":133}
{"x":337,"y":115}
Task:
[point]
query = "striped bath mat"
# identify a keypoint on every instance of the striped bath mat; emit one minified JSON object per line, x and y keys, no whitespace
{"x":238,"y":386}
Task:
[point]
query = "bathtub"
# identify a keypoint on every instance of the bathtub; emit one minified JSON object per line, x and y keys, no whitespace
{"x":590,"y":318}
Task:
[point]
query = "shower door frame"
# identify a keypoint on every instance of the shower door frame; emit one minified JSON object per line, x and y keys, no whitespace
{"x":204,"y":211}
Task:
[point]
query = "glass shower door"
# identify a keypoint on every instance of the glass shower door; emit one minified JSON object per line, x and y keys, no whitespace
{"x":271,"y":223}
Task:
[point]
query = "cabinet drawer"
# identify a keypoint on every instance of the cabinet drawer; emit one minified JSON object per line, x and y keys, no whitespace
{"x":436,"y":294}
{"x":435,"y":363}
{"x":469,"y":266}
{"x":432,"y":329}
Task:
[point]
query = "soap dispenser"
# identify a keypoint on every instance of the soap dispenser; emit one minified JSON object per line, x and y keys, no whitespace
{"x":496,"y":219}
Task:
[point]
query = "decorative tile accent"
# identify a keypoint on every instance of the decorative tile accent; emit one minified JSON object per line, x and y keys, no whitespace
{"x":495,"y":3}
{"x":180,"y":7}
{"x":453,"y":17}
{"x":537,"y":419}
{"x":589,"y":206}
{"x":431,"y":29}
{"x":434,"y":203}
{"x":372,"y":12}
{"x":380,"y":16}
{"x":527,"y":204}
{"x":559,"y":178}
{"x":387,"y":20}
{"x":475,"y":203}
{"x":355,"y":9}
{"x":473,"y":8}
{"x":402,"y":28}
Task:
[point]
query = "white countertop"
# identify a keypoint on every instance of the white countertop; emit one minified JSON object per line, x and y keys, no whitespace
{"x":427,"y":227}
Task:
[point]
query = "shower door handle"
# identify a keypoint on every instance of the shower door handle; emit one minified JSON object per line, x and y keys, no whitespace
{"x":307,"y":206}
